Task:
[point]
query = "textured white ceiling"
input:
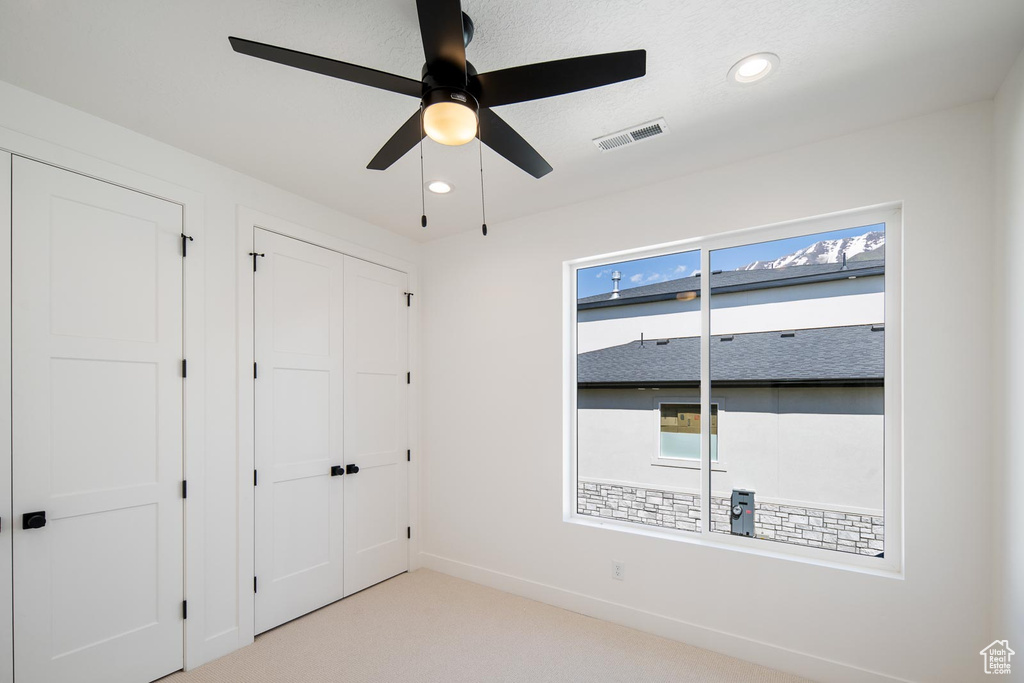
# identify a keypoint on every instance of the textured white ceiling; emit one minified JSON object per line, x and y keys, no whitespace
{"x":166,"y":70}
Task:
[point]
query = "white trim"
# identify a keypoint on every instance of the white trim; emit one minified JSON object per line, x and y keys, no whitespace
{"x":756,"y":651}
{"x":6,"y":415}
{"x":891,"y":215}
{"x":246,"y":415}
{"x":194,"y":349}
{"x":247,"y":220}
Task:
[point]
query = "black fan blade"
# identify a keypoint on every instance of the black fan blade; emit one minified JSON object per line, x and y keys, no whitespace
{"x":501,"y":137}
{"x":547,"y":79}
{"x":443,"y":41}
{"x":404,"y":139}
{"x":328,"y":67}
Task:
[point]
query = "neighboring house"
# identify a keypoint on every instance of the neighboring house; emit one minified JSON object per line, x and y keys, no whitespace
{"x":797,"y":393}
{"x":796,"y":297}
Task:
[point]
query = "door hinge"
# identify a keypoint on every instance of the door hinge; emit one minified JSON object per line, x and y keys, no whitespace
{"x":255,"y":255}
{"x":184,"y":488}
{"x":408,"y":532}
{"x":185,"y":239}
{"x":408,"y":378}
{"x":255,"y":373}
{"x":408,"y":298}
{"x":408,"y":456}
{"x":184,"y":368}
{"x":255,"y":478}
{"x":184,"y":609}
{"x":254,"y":585}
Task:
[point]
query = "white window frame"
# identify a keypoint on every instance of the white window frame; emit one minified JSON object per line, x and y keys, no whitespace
{"x":889,"y":566}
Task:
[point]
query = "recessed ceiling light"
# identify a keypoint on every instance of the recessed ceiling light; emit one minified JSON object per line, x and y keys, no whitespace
{"x":753,"y":68}
{"x":439,"y":187}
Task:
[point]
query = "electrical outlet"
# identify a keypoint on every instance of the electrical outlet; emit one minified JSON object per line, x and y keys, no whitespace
{"x":618,"y":570}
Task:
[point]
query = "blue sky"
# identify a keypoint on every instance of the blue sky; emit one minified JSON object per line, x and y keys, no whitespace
{"x":598,"y":280}
{"x":639,"y":272}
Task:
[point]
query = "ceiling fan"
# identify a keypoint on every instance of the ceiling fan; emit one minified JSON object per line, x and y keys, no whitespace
{"x":455,"y":101}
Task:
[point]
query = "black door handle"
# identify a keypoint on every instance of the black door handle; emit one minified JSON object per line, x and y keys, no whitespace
{"x":337,"y":470}
{"x":351,"y":469}
{"x":33,"y":520}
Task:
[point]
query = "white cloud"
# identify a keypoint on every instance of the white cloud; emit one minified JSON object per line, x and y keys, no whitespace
{"x":655,"y":277}
{"x":602,"y":273}
{"x":636,"y":279}
{"x":680,"y":270}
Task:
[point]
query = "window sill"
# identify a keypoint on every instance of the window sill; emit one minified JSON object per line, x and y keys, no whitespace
{"x":862,"y":564}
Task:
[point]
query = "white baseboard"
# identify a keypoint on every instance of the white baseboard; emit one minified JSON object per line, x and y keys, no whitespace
{"x":765,"y":654}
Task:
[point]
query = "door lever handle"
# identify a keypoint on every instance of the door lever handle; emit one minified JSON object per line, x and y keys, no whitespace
{"x":337,"y":470}
{"x":351,"y":469}
{"x":33,"y":520}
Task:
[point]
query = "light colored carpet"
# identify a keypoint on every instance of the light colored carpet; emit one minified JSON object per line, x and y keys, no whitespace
{"x":427,"y":626}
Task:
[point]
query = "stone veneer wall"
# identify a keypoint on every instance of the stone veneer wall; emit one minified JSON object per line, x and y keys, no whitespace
{"x":816,"y":527}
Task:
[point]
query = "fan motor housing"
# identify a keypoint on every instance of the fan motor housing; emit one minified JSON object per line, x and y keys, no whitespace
{"x":446,"y":80}
{"x":446,"y":94}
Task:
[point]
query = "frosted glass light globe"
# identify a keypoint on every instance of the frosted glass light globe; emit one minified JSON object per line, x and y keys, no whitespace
{"x":450,"y":123}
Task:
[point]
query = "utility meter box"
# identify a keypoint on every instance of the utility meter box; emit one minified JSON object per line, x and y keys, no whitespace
{"x":742,"y":512}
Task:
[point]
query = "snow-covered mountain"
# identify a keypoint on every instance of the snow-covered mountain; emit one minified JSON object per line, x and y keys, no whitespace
{"x":829,"y":251}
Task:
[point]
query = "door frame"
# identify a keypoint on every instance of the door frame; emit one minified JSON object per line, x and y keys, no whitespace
{"x":193,"y":209}
{"x":247,"y":221}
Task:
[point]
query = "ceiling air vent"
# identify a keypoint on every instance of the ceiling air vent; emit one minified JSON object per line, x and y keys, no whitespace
{"x":633,"y":134}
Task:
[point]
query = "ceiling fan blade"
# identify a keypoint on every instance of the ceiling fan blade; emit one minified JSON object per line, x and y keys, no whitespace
{"x":443,"y":41}
{"x":504,"y":140}
{"x":404,"y":139}
{"x":328,"y":67}
{"x":547,"y":79}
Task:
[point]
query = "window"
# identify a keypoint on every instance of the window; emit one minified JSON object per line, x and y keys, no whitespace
{"x":680,"y":431}
{"x":794,"y":327}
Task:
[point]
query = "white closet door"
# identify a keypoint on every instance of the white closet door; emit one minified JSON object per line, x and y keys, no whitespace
{"x":97,"y":430}
{"x":299,"y":305}
{"x":6,"y":569}
{"x":376,"y":405}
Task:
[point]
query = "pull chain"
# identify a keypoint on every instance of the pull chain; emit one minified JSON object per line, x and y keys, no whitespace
{"x":423,"y":194}
{"x":483,"y":206}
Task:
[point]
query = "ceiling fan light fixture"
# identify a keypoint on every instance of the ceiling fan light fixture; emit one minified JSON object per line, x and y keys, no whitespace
{"x":449,"y":116}
{"x":753,"y":68}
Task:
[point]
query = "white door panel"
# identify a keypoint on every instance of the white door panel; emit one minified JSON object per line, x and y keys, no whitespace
{"x":97,"y":429}
{"x":299,"y":307}
{"x":376,"y":362}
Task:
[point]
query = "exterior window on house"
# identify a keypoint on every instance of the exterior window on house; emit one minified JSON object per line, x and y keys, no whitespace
{"x":638,"y":391}
{"x":797,"y":350}
{"x":680,"y":431}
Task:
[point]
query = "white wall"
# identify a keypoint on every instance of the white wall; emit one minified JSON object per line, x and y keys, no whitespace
{"x":493,"y":501}
{"x":814,"y":446}
{"x":1008,"y":541}
{"x":35,"y":126}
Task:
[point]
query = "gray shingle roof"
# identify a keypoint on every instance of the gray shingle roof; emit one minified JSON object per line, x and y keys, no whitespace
{"x":825,"y":355}
{"x":737,"y":280}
